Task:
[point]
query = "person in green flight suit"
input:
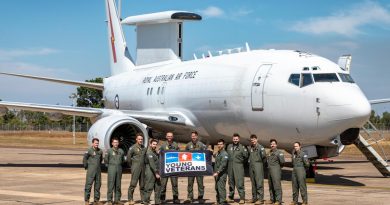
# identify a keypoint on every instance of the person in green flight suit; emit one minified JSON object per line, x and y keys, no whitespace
{"x":92,"y":162}
{"x":300,"y":163}
{"x":114,"y":159}
{"x":135,"y":160}
{"x":195,"y":144}
{"x":238,"y":154}
{"x":220,"y":172}
{"x":169,"y":145}
{"x":257,"y":159}
{"x":152,"y":173}
{"x":275,"y":160}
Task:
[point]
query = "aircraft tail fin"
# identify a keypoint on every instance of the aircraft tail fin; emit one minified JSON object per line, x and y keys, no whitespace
{"x":120,"y":59}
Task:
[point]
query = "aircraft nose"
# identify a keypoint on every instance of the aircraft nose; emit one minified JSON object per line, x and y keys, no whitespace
{"x":349,"y":107}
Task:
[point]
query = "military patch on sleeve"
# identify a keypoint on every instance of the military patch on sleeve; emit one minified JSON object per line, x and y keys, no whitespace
{"x":281,"y":154}
{"x":262,"y":148}
{"x":150,"y":156}
{"x":226,"y":157}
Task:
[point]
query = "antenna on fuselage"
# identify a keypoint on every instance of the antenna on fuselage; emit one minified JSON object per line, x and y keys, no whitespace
{"x":247,"y":47}
{"x":195,"y":58}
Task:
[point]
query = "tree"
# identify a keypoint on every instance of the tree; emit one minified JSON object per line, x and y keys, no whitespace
{"x":374,"y":118}
{"x":90,"y":97}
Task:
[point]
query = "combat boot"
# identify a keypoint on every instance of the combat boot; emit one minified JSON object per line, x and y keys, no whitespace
{"x":277,"y":203}
{"x":109,"y":203}
{"x":230,"y":200}
{"x":269,"y":202}
{"x":293,"y":203}
{"x":304,"y":203}
{"x":175,"y":201}
{"x":201,"y":201}
{"x":242,"y":201}
{"x":118,"y":203}
{"x":259,"y":202}
{"x":86,"y":203}
{"x":188,"y":201}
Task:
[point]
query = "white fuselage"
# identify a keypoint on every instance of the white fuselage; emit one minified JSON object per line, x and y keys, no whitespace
{"x":247,"y":93}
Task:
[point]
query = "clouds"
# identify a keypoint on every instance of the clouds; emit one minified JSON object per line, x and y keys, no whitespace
{"x":217,"y":12}
{"x":212,"y":11}
{"x":349,"y":22}
{"x":17,"y":53}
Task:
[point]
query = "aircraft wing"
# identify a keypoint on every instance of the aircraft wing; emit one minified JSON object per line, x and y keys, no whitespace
{"x":98,"y":86}
{"x":379,"y":101}
{"x":143,"y":116}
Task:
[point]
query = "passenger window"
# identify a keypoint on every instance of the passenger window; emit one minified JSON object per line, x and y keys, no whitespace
{"x":315,"y":68}
{"x":294,"y":79}
{"x":306,"y":79}
{"x":306,"y":68}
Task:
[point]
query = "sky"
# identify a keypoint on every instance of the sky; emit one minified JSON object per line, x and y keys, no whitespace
{"x":68,"y":38}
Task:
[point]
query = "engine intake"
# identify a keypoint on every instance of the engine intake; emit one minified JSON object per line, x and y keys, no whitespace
{"x":119,"y":126}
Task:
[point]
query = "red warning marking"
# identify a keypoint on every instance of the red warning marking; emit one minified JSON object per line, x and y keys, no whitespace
{"x":112,"y":34}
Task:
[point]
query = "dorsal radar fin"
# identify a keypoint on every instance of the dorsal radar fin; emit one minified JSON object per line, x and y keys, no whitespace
{"x":160,"y":35}
{"x":120,"y":59}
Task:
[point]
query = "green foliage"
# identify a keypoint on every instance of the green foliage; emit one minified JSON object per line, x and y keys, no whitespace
{"x":90,"y":97}
{"x":385,"y":118}
{"x":374,"y":118}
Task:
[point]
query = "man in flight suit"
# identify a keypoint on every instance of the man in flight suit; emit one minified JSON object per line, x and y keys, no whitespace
{"x":135,"y":160}
{"x":220,"y":172}
{"x":300,"y":164}
{"x":152,"y":174}
{"x":238,"y":154}
{"x":114,"y":159}
{"x":92,"y":162}
{"x":275,"y":160}
{"x":257,"y":158}
{"x":169,"y":145}
{"x":195,"y":144}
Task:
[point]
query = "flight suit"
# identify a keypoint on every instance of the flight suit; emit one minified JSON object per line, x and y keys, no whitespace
{"x":152,"y":166}
{"x":114,"y":160}
{"x":257,"y":158}
{"x":164,"y":180}
{"x":300,"y":164}
{"x":199,"y":179}
{"x":275,"y":160}
{"x":238,"y":154}
{"x":135,"y":160}
{"x":92,"y":162}
{"x":220,"y":167}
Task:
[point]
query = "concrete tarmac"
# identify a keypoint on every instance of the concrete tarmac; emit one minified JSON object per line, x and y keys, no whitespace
{"x":48,"y":176}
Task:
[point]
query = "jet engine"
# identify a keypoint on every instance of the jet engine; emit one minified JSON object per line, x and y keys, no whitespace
{"x":122,"y":127}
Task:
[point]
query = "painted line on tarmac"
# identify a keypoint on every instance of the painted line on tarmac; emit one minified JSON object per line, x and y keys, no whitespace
{"x":39,"y":195}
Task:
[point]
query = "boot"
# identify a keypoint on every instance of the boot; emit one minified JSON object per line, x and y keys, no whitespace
{"x":175,"y":201}
{"x":230,"y":200}
{"x":269,"y":202}
{"x":242,"y":201}
{"x":86,"y":202}
{"x":97,"y":203}
{"x":109,"y":203}
{"x":188,"y":201}
{"x":201,"y":201}
{"x":277,"y":203}
{"x":304,"y":203}
{"x":259,"y":202}
{"x":293,"y":203}
{"x":118,"y":203}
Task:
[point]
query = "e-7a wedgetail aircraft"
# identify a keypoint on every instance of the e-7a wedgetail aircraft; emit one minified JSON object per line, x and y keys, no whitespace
{"x":284,"y":94}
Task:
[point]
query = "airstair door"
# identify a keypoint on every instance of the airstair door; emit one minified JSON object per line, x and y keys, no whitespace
{"x":258,"y":87}
{"x":162,"y":93}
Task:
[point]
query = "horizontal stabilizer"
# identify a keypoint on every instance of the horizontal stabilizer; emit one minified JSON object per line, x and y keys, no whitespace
{"x":97,"y":86}
{"x":379,"y":101}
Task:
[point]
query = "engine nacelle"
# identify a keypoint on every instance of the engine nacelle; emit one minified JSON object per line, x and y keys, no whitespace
{"x":120,"y":126}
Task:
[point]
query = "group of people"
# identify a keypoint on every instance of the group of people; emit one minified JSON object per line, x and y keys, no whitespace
{"x":229,"y":164}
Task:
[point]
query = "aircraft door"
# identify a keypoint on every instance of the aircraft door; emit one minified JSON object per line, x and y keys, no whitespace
{"x":258,"y":87}
{"x":162,"y":93}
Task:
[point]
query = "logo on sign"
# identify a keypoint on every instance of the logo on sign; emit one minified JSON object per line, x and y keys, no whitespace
{"x":184,"y":162}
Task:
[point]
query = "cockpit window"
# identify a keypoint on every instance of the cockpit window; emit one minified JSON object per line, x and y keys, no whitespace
{"x":325,"y":77}
{"x":294,"y":79}
{"x":306,"y":79}
{"x":346,"y":78}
